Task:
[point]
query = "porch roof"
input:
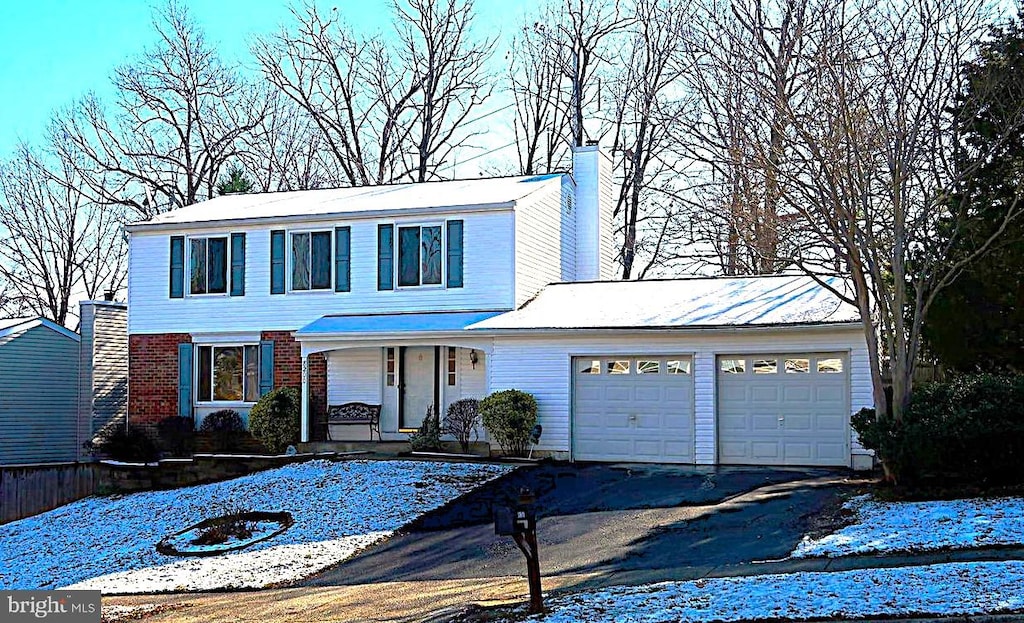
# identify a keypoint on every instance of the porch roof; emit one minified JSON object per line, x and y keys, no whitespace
{"x":392,"y":324}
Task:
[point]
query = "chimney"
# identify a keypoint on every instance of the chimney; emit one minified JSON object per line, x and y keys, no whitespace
{"x":592,"y":175}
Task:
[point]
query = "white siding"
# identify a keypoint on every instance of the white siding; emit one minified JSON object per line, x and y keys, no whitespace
{"x":544,"y":251}
{"x":541,"y":365}
{"x":354,"y":375}
{"x":487,"y":265}
{"x":595,"y":245}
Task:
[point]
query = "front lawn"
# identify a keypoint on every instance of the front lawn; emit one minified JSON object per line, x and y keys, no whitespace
{"x":108,"y":543}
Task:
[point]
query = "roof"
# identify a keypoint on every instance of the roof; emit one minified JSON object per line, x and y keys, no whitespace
{"x":392,"y":324}
{"x":500,"y":192}
{"x":10,"y":326}
{"x":681,"y":303}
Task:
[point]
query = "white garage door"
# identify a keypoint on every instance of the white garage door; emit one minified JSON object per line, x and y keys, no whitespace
{"x":783,"y":409}
{"x":633,"y":409}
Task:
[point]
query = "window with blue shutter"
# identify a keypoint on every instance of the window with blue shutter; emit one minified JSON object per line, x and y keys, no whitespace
{"x":277,"y":262}
{"x":342,"y":259}
{"x":454,"y":254}
{"x":177,"y":267}
{"x":185,"y":380}
{"x":385,"y":257}
{"x":266,"y":366}
{"x":237,"y":264}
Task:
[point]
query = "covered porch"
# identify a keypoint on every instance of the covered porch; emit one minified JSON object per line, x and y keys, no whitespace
{"x":401,"y":363}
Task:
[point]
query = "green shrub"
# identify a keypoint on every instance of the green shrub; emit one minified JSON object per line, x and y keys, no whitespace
{"x":509,"y":416}
{"x":225,"y":428}
{"x":128,"y":445}
{"x":969,"y":429}
{"x":428,"y":437}
{"x":176,"y":435}
{"x":461,"y":419}
{"x":274,"y":420}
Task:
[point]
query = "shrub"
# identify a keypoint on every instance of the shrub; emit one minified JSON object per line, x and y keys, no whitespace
{"x":122,"y":444}
{"x":428,"y":437}
{"x":461,"y":420}
{"x":225,"y":428}
{"x":968,"y":429}
{"x":177,"y":435}
{"x":274,"y":420}
{"x":509,"y":416}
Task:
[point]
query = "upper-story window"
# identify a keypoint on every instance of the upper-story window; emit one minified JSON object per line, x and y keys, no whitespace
{"x":213,"y":264}
{"x":311,"y":260}
{"x":424,"y":254}
{"x":419,"y":255}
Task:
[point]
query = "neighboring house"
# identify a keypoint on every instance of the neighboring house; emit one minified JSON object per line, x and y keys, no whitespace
{"x":38,"y":393}
{"x":417,"y":295}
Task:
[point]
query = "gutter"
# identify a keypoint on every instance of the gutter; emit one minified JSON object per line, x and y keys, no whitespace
{"x":785,"y":328}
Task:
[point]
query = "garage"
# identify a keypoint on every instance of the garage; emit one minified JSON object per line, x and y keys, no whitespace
{"x":633,"y":409}
{"x":786,"y":409}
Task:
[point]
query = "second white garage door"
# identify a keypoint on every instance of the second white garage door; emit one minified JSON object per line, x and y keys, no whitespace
{"x":783,"y":409}
{"x":633,"y":409}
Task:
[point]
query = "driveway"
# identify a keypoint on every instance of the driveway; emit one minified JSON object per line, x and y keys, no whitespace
{"x":635,"y":523}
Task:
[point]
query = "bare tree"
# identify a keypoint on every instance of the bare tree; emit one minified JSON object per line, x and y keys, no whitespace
{"x":178,"y":118}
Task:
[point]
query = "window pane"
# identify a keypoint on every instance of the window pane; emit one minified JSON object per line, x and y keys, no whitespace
{"x":204,"y":385}
{"x":766,"y":366}
{"x":321,"y":260}
{"x":432,"y":255}
{"x":618,"y":367}
{"x":300,"y":261}
{"x":252,"y":373}
{"x":830,"y":366}
{"x":197,"y":265}
{"x":390,"y":372}
{"x":218,"y":265}
{"x":590,"y":366}
{"x":681,"y":366}
{"x":648,"y":367}
{"x":798,"y":366}
{"x":732,"y":366}
{"x":227,"y":373}
{"x":409,"y":256}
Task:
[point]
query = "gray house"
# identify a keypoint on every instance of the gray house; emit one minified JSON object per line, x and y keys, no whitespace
{"x":39,"y":420}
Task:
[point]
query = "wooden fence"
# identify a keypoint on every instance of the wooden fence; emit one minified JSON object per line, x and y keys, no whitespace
{"x":27,"y":490}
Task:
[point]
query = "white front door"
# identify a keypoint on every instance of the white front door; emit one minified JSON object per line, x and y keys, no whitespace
{"x":418,"y":385}
{"x":784,"y":409}
{"x":633,"y":409}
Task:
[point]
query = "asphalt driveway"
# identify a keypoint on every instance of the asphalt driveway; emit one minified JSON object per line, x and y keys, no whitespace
{"x":648,"y":522}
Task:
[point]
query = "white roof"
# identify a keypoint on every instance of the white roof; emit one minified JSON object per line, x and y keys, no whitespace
{"x":681,"y":303}
{"x":502,"y":191}
{"x":10,"y":326}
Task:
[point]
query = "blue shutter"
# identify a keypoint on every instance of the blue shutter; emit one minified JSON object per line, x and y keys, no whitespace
{"x":185,"y":380}
{"x":342,"y":259}
{"x":177,"y":267}
{"x":237,"y":264}
{"x":454,"y":254}
{"x":277,"y":262}
{"x":385,"y":257}
{"x":266,"y":366}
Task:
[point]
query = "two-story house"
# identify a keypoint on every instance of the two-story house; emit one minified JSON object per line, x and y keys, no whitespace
{"x":417,"y":295}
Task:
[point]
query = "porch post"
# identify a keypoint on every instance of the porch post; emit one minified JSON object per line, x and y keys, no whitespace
{"x":304,"y":420}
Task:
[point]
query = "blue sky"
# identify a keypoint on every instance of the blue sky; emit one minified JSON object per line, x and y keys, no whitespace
{"x":54,"y":51}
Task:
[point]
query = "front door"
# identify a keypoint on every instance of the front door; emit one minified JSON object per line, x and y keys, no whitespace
{"x":418,"y":376}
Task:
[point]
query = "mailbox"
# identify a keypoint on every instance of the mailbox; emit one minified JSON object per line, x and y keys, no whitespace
{"x":520,"y":522}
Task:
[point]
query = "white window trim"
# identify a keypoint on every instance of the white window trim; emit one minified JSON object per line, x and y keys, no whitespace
{"x":196,"y":367}
{"x":188,"y":265}
{"x":419,"y":254}
{"x":290,"y":258}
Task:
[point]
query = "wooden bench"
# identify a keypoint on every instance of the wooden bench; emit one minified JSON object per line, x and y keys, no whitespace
{"x":354,"y":413}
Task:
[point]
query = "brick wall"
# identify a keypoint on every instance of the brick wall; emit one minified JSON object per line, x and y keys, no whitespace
{"x":288,"y":373}
{"x":153,"y":377}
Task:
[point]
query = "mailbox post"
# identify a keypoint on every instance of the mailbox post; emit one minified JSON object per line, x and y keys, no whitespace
{"x":520,"y":522}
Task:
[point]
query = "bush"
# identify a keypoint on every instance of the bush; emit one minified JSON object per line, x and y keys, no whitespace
{"x":970,"y":429}
{"x":509,"y":416}
{"x":225,"y":428}
{"x":121,"y":444}
{"x":177,"y":435}
{"x":428,"y":437}
{"x":461,"y":420}
{"x":274,"y":420}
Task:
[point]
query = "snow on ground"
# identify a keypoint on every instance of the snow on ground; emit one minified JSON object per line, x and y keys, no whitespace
{"x":107,"y":543}
{"x":882,"y":527}
{"x":952,"y":589}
